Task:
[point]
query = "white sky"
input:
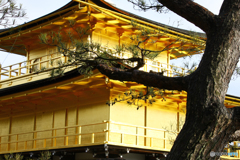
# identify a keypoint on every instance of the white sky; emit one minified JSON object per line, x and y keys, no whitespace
{"x":37,"y":9}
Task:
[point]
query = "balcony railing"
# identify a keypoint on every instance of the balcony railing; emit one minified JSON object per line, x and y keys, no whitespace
{"x":38,"y":64}
{"x":87,"y":135}
{"x":48,"y":62}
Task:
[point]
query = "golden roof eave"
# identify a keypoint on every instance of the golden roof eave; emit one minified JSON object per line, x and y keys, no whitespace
{"x":35,"y":22}
{"x":114,"y":13}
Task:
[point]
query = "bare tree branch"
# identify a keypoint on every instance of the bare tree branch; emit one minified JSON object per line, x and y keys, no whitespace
{"x":191,"y":11}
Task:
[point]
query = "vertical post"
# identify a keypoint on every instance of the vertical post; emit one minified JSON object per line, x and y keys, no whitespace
{"x":76,"y":137}
{"x":77,"y":128}
{"x":19,"y":69}
{"x":44,"y":143}
{"x":151,"y":141}
{"x":80,"y":136}
{"x":164,"y":142}
{"x":35,"y":141}
{"x":66,"y":129}
{"x":40,"y":63}
{"x":92,"y":137}
{"x":183,"y":72}
{"x":28,"y":52}
{"x":51,"y":60}
{"x":10,"y":132}
{"x":53,"y":133}
{"x":122,"y":138}
{"x":55,"y":139}
{"x":16,"y":147}
{"x":136,"y":135}
{"x":0,"y":71}
{"x":65,"y":59}
{"x":48,"y":58}
{"x":107,"y":130}
{"x":10,"y":72}
{"x":66,"y":140}
{"x":29,"y":70}
{"x":34,"y":132}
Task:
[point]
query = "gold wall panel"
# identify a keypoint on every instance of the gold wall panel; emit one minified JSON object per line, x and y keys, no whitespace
{"x":71,"y":121}
{"x":60,"y":122}
{"x":4,"y":130}
{"x":93,"y":114}
{"x":121,"y":112}
{"x":44,"y":121}
{"x":35,"y":53}
{"x":21,"y":125}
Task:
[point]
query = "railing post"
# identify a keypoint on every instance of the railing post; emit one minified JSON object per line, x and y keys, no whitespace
{"x":55,"y":139}
{"x":34,"y":140}
{"x":66,"y":137}
{"x":0,"y":71}
{"x":92,"y":137}
{"x":164,"y":142}
{"x":19,"y":69}
{"x":80,"y":136}
{"x":122,"y":138}
{"x":16,"y":147}
{"x":76,"y":137}
{"x":66,"y":59}
{"x":136,"y":135}
{"x":151,"y":141}
{"x":44,"y":143}
{"x":66,"y":141}
{"x":27,"y":66}
{"x":51,"y":61}
{"x":10,"y":72}
{"x":40,"y":63}
{"x":107,"y":132}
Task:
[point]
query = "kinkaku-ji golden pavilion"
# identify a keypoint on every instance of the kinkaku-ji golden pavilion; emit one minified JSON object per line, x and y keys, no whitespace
{"x":68,"y":115}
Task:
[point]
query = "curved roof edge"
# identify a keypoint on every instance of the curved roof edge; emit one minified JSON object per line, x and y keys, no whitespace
{"x":37,"y":21}
{"x":111,"y":7}
{"x":101,"y":3}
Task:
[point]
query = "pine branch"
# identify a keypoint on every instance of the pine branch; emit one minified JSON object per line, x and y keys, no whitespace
{"x":145,"y":78}
{"x":9,"y":11}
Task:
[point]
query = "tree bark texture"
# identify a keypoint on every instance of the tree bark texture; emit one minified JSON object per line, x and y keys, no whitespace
{"x":209,"y":124}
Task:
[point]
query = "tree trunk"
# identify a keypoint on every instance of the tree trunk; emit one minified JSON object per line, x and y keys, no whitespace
{"x":209,"y":123}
